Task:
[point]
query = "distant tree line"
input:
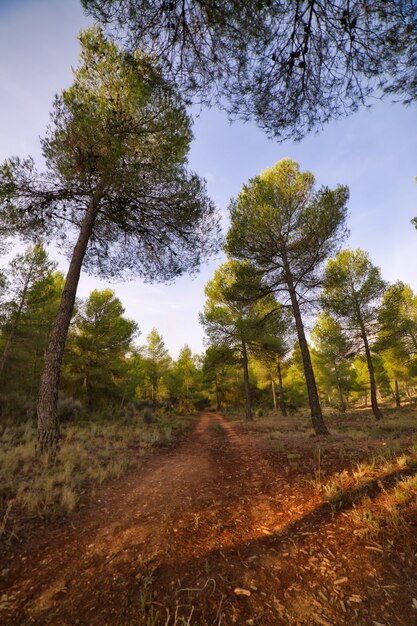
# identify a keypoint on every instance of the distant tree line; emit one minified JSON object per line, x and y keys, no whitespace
{"x":285,"y":266}
{"x":253,"y":362}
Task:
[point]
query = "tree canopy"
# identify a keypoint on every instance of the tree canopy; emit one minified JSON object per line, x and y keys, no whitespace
{"x":353,"y":292}
{"x":236,"y":315}
{"x":100,"y":338}
{"x":25,"y":293}
{"x":289,"y":66}
{"x":118,"y":134}
{"x":116,"y":181}
{"x":287,"y":229}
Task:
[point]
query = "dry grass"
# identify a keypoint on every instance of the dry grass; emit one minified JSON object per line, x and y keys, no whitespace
{"x":90,"y":453}
{"x":365,"y":465}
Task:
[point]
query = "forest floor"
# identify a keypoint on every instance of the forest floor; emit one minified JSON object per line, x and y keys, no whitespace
{"x":237,"y":524}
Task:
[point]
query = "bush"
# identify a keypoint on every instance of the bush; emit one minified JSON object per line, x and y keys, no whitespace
{"x":13,"y":406}
{"x":68,"y":409}
{"x":201,"y":404}
{"x":30,"y":411}
{"x":148,"y":416}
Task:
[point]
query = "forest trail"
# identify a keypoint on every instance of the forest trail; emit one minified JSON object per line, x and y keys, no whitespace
{"x":218,"y":530}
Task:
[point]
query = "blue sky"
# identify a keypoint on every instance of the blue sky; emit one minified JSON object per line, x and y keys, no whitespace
{"x":374,"y":152}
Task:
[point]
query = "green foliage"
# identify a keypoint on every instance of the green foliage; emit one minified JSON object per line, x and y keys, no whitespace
{"x":29,"y":304}
{"x":235,"y":310}
{"x":295,"y":382}
{"x":286,"y":230}
{"x":121,"y":133}
{"x":116,"y":178}
{"x":332,"y":359}
{"x":284,"y":227}
{"x":397,"y":338}
{"x":156,"y":366}
{"x":353,"y":290}
{"x":219,"y":363}
{"x":185,"y":380}
{"x":99,"y":340}
{"x":238,"y":315}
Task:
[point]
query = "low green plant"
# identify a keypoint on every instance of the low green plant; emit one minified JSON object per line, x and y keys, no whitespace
{"x":365,"y":519}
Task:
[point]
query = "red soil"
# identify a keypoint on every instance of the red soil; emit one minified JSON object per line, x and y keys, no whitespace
{"x":219,"y":530}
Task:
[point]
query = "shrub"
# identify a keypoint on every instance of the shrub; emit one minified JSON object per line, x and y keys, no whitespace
{"x":202,"y":403}
{"x":148,"y":416}
{"x":68,"y":409}
{"x":29,"y":410}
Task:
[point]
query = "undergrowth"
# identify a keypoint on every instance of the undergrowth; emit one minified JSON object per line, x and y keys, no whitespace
{"x":366,"y":467}
{"x":89,"y":454}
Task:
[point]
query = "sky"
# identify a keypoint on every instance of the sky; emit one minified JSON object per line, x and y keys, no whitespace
{"x":374,"y":152}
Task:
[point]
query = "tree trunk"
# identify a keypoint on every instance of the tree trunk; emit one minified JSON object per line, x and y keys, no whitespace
{"x":48,"y":426}
{"x":89,"y":392}
{"x":313,"y":396}
{"x":341,"y":398}
{"x":282,"y":406}
{"x":274,"y":395}
{"x":218,"y":403}
{"x":340,"y":391}
{"x":7,"y":348}
{"x":397,"y":394}
{"x":374,"y":402}
{"x":248,"y":397}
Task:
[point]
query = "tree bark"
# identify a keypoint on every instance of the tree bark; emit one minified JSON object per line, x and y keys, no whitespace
{"x":397,"y":394}
{"x":313,"y":396}
{"x":48,"y":426}
{"x":340,"y":391}
{"x":216,"y":385}
{"x":374,"y":402}
{"x":248,"y":397}
{"x":274,"y":395}
{"x":341,"y":398}
{"x":8,"y":347}
{"x":282,"y":406}
{"x":89,"y":392}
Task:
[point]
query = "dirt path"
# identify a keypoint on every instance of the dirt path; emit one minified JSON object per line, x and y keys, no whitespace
{"x":174,"y":542}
